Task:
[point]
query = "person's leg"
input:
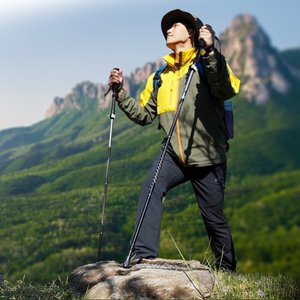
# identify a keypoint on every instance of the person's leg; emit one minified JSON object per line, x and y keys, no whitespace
{"x":171,"y":175}
{"x":209,"y":186}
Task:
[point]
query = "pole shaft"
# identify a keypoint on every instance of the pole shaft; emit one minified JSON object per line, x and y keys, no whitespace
{"x":104,"y":200}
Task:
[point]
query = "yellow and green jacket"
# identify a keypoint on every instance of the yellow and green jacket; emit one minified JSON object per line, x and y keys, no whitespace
{"x":199,"y":138}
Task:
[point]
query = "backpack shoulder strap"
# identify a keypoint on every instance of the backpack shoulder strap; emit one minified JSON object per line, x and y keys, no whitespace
{"x":157,"y":80}
{"x":201,"y":71}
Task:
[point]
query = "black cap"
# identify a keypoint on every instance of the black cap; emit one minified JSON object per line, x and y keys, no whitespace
{"x":178,"y":15}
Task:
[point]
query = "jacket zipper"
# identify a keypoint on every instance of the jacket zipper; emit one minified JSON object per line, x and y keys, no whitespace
{"x":179,"y":143}
{"x":177,"y":122}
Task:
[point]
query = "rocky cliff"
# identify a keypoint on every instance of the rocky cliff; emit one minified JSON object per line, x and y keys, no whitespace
{"x":250,"y":54}
{"x":84,"y":90}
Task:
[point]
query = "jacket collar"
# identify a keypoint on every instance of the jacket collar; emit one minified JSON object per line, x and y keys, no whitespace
{"x":182,"y":58}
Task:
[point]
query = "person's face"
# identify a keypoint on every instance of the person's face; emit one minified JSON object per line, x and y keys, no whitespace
{"x":178,"y":35}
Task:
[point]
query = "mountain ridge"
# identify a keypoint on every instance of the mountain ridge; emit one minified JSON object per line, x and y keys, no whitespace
{"x":248,"y":50}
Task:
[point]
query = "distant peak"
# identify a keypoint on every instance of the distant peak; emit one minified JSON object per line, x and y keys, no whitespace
{"x":249,"y":52}
{"x":244,"y":19}
{"x":84,"y":90}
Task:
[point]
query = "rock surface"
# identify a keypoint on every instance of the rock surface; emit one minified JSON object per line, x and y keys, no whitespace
{"x":151,"y":279}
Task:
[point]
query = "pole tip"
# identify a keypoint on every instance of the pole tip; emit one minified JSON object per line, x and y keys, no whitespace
{"x":126,"y":263}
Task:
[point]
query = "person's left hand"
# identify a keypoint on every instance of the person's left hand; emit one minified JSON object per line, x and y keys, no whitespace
{"x":208,"y":35}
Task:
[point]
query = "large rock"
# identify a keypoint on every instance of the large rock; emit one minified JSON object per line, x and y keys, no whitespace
{"x":152,"y":279}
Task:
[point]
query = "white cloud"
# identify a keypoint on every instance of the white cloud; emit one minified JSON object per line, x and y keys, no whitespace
{"x":17,"y":8}
{"x":12,"y":7}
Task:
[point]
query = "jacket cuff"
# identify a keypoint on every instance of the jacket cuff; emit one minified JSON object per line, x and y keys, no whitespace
{"x":122,"y":95}
{"x":211,"y":58}
{"x":211,"y":62}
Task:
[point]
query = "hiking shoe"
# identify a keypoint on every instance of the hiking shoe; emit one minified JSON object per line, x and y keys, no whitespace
{"x":135,"y":259}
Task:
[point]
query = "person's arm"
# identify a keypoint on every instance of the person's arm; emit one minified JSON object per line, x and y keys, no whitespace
{"x":142,"y":112}
{"x":222,"y":81}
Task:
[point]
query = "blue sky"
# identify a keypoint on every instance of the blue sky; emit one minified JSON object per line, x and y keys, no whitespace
{"x":48,"y":46}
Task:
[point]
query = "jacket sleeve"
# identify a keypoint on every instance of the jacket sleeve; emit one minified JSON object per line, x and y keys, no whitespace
{"x":222,"y":81}
{"x":142,"y":112}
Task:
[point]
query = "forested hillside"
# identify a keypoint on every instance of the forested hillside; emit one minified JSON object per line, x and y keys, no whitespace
{"x":52,"y":181}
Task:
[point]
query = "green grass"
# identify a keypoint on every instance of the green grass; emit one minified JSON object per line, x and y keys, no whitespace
{"x":254,"y":286}
{"x":22,"y":289}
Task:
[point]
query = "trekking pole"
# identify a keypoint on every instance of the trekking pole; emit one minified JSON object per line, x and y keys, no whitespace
{"x":112,"y":118}
{"x":190,"y":74}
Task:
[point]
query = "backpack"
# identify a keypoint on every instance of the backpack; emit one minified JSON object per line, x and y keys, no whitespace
{"x":228,"y":109}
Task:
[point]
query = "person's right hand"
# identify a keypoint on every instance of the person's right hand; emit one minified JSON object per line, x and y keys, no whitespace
{"x":116,"y":78}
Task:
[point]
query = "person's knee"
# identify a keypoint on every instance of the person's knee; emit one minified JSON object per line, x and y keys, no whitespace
{"x":213,"y":220}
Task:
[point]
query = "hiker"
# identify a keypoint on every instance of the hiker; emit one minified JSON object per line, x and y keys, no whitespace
{"x":197,"y":152}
